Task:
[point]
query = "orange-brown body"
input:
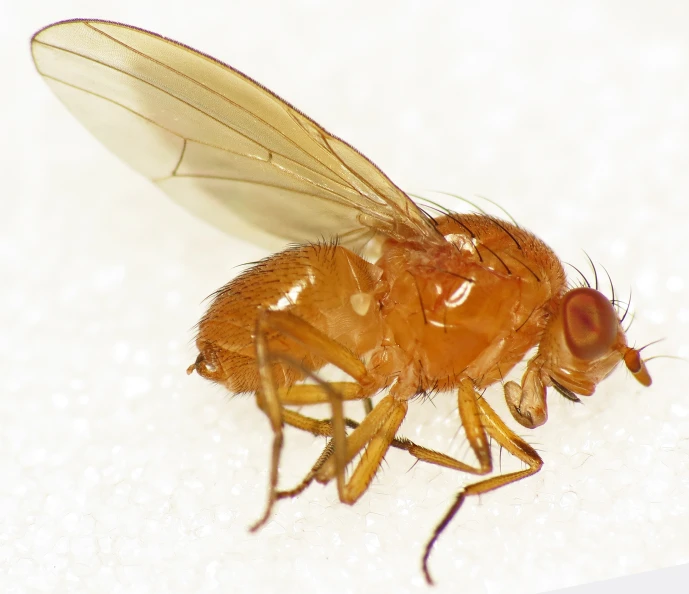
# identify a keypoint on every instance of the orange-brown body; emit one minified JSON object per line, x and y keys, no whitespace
{"x":423,"y":316}
{"x":426,"y":315}
{"x":453,"y":302}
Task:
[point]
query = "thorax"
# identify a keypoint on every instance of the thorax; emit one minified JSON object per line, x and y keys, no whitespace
{"x":470,"y":307}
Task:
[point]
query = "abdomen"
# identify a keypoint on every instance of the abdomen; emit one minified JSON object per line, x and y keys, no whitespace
{"x":326,"y":285}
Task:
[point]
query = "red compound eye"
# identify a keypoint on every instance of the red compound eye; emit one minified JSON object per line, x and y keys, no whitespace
{"x":590,"y":323}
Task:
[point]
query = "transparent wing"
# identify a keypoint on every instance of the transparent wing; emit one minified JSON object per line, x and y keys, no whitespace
{"x":217,"y":142}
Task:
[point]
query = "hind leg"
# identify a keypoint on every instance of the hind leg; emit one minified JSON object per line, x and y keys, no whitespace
{"x":269,"y":396}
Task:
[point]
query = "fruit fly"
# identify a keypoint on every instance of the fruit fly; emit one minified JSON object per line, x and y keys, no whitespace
{"x":451,"y":303}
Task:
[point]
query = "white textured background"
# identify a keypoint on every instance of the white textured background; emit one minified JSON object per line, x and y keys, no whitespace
{"x":118,"y":473}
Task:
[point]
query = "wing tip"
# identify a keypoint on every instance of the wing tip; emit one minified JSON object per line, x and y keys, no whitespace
{"x":76,"y":21}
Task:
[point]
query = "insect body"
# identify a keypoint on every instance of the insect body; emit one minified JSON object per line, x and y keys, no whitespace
{"x":452,"y":303}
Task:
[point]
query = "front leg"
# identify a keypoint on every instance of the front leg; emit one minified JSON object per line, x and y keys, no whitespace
{"x":527,"y":402}
{"x":515,"y":445}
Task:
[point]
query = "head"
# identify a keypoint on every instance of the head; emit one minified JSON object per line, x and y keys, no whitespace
{"x":581,"y":345}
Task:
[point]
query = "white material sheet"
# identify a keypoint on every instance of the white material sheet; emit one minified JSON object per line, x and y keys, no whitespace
{"x":119,"y":473}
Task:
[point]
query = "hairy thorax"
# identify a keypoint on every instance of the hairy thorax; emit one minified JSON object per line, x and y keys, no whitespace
{"x":471,"y":307}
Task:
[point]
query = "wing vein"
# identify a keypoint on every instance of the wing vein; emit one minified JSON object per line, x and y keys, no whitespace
{"x":188,"y":104}
{"x":222,"y":97}
{"x":218,"y":142}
